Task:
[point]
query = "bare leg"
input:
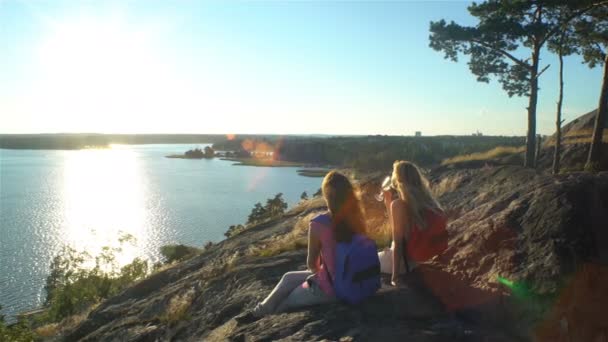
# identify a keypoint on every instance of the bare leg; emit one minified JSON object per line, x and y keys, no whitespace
{"x":304,"y":296}
{"x":386,"y":262}
{"x":286,"y":285}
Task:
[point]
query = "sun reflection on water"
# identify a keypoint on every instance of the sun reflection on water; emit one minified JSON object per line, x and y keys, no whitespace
{"x":104,"y":201}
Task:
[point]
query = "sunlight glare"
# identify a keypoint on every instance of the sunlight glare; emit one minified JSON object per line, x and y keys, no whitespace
{"x":101,"y":74}
{"x":104,"y":201}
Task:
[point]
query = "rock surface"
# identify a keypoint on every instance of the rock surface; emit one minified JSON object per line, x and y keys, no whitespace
{"x":519,"y":240}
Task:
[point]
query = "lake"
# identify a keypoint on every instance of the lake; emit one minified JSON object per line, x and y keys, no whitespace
{"x":89,"y":198}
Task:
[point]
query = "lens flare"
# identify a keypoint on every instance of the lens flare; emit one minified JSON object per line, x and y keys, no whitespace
{"x":519,"y":289}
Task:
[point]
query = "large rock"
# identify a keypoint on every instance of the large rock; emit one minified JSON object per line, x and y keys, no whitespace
{"x":519,"y":239}
{"x":522,"y":236}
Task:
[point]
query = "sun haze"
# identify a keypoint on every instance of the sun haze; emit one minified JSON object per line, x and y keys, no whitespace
{"x":253,"y":67}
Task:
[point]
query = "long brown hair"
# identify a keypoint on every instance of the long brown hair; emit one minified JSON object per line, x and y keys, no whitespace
{"x":344,"y":206}
{"x":414,"y":190}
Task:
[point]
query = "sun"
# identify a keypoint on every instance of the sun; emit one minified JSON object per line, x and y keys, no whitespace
{"x":97,"y":73}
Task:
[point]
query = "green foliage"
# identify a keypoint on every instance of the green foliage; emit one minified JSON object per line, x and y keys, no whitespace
{"x":504,"y":29}
{"x":176,"y":253}
{"x":209,"y":152}
{"x":197,"y":153}
{"x":378,"y":152}
{"x":77,"y":280}
{"x":17,"y":332}
{"x":234,"y":230}
{"x":591,"y":30}
{"x":257,"y":213}
{"x":274,"y":207}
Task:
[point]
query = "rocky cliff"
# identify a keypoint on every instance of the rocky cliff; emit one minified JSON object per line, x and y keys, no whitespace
{"x":526,"y":259}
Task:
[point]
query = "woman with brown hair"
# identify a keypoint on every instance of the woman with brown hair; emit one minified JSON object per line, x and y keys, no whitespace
{"x":341,"y":223}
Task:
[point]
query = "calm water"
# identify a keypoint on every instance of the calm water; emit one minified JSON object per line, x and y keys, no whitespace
{"x":88,"y":198}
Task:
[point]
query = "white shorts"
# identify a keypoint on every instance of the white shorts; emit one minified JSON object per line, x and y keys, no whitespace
{"x":386,"y":262}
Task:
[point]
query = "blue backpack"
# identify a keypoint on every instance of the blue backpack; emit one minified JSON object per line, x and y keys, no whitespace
{"x":357,"y":269}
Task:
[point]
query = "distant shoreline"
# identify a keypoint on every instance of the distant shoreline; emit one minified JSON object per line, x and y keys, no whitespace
{"x":317,"y":172}
{"x":79,"y":141}
{"x":263,"y":162}
{"x":183,"y":156}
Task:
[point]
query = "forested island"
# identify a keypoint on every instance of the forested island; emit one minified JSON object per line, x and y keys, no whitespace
{"x":363,"y":152}
{"x":197,"y":153}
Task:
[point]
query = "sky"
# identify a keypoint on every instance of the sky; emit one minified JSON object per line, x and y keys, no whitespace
{"x":283,"y":67}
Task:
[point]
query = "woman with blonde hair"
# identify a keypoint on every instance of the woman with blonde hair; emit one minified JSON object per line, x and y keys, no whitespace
{"x":417,"y":221}
{"x":341,"y":223}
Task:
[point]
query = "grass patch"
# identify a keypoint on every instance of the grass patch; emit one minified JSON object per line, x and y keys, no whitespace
{"x":379,"y":230}
{"x":582,"y":136}
{"x":311,"y":204}
{"x":496,"y":152}
{"x":296,"y":239}
{"x":178,"y":307}
{"x":176,"y":253}
{"x":67,"y":324}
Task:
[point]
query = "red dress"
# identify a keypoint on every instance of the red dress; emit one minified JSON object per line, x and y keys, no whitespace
{"x":422,"y":245}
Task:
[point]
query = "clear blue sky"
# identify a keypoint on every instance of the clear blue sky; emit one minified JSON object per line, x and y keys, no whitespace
{"x":254,"y":67}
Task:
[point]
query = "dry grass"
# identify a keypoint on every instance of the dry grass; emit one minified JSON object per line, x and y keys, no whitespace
{"x":313,"y":203}
{"x":380,"y":232}
{"x":178,"y":307}
{"x":295,"y":239}
{"x":447,"y":184}
{"x":496,"y":152}
{"x":69,"y":323}
{"x":581,"y":136}
{"x":48,"y":330}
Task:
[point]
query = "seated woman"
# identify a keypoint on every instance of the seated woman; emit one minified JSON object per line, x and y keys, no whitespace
{"x":314,"y":286}
{"x":411,"y":210}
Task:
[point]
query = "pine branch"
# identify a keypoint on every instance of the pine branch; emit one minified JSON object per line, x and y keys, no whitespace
{"x":569,"y":19}
{"x":502,"y":52}
{"x":545,"y":68}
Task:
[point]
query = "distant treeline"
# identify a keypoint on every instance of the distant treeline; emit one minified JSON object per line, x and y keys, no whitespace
{"x":78,"y":141}
{"x":372,"y":152}
{"x":73,"y":141}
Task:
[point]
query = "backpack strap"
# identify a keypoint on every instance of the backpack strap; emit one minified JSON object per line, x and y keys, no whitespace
{"x":331,"y":281}
{"x":324,"y":219}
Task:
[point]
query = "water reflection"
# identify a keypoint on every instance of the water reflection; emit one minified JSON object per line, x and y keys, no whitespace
{"x":104,"y":200}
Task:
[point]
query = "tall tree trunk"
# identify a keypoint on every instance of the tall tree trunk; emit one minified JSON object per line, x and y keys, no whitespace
{"x":595,"y":152}
{"x":529,"y":160}
{"x":558,"y":119}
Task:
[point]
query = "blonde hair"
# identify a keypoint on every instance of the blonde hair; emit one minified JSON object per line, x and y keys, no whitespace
{"x":413,"y":189}
{"x":344,"y":206}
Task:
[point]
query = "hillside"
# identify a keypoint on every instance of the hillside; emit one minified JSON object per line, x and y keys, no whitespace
{"x":520,"y":241}
{"x":576,"y":137}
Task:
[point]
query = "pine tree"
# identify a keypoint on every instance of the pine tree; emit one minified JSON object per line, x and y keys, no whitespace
{"x":505,"y":29}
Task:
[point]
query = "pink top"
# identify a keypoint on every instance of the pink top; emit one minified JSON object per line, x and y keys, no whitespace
{"x":328,"y":253}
